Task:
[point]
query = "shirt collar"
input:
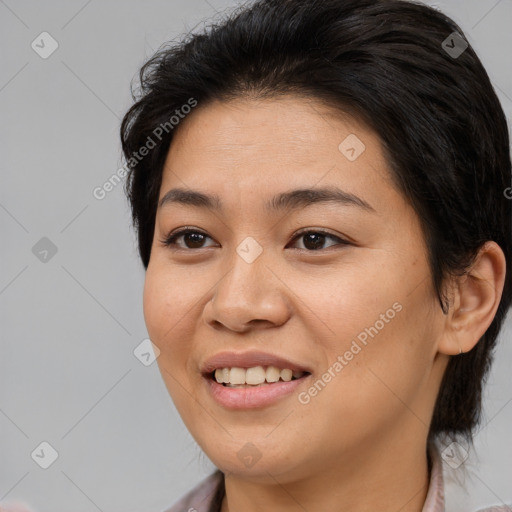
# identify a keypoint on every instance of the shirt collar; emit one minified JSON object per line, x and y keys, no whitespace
{"x":435,"y":495}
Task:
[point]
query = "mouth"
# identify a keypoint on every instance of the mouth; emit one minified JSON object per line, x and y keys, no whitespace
{"x":252,"y":379}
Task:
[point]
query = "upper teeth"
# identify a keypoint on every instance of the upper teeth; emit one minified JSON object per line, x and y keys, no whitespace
{"x":254,"y":376}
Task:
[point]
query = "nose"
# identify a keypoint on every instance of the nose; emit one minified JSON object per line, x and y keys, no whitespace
{"x":249,"y":296}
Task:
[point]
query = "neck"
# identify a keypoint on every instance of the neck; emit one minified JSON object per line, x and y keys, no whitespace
{"x":377,"y":478}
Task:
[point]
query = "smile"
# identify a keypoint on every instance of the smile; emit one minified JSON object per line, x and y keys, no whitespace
{"x":235,"y":395}
{"x":255,"y":376}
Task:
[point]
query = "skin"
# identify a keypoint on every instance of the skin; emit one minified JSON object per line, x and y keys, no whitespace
{"x":360,"y":443}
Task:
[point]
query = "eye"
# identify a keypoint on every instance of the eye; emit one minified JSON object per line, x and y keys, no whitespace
{"x":192,"y":238}
{"x":314,"y":239}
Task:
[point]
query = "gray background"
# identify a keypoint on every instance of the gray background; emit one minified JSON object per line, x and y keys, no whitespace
{"x":70,"y":324}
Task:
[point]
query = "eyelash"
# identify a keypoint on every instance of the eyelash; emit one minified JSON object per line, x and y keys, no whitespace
{"x":169,"y":241}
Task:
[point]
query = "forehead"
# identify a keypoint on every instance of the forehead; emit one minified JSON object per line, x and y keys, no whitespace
{"x":264,"y":145}
{"x":303,"y":124}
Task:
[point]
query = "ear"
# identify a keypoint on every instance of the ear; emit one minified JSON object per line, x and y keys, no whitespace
{"x":476,"y":297}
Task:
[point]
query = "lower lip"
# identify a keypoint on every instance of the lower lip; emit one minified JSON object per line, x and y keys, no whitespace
{"x":253,"y":397}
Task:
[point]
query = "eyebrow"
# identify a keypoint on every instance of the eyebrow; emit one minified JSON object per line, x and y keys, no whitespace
{"x":291,"y":200}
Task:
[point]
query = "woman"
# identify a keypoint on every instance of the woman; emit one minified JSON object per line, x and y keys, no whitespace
{"x":318,"y":189}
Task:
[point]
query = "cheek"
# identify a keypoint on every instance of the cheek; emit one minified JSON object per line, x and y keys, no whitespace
{"x":168,"y":296}
{"x":165,"y":317}
{"x":153,"y":306}
{"x":385,"y":367}
{"x":164,"y":306}
{"x":351,"y":298}
{"x":383,"y":334}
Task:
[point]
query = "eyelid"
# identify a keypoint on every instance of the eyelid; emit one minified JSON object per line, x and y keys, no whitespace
{"x":167,"y":241}
{"x":323,"y":232}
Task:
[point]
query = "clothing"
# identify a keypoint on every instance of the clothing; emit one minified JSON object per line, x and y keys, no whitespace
{"x":200,"y":498}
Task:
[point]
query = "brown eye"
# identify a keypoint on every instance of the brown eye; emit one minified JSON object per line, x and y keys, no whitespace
{"x":192,"y":239}
{"x":315,"y":239}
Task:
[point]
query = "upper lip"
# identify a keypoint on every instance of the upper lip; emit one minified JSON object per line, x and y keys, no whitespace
{"x":249,"y":360}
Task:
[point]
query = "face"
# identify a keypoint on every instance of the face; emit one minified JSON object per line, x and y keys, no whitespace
{"x":338,"y":288}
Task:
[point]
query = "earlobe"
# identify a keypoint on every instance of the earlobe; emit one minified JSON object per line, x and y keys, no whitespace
{"x":476,"y":297}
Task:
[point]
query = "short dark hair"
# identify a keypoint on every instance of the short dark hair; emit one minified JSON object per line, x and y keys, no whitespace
{"x":393,"y":65}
